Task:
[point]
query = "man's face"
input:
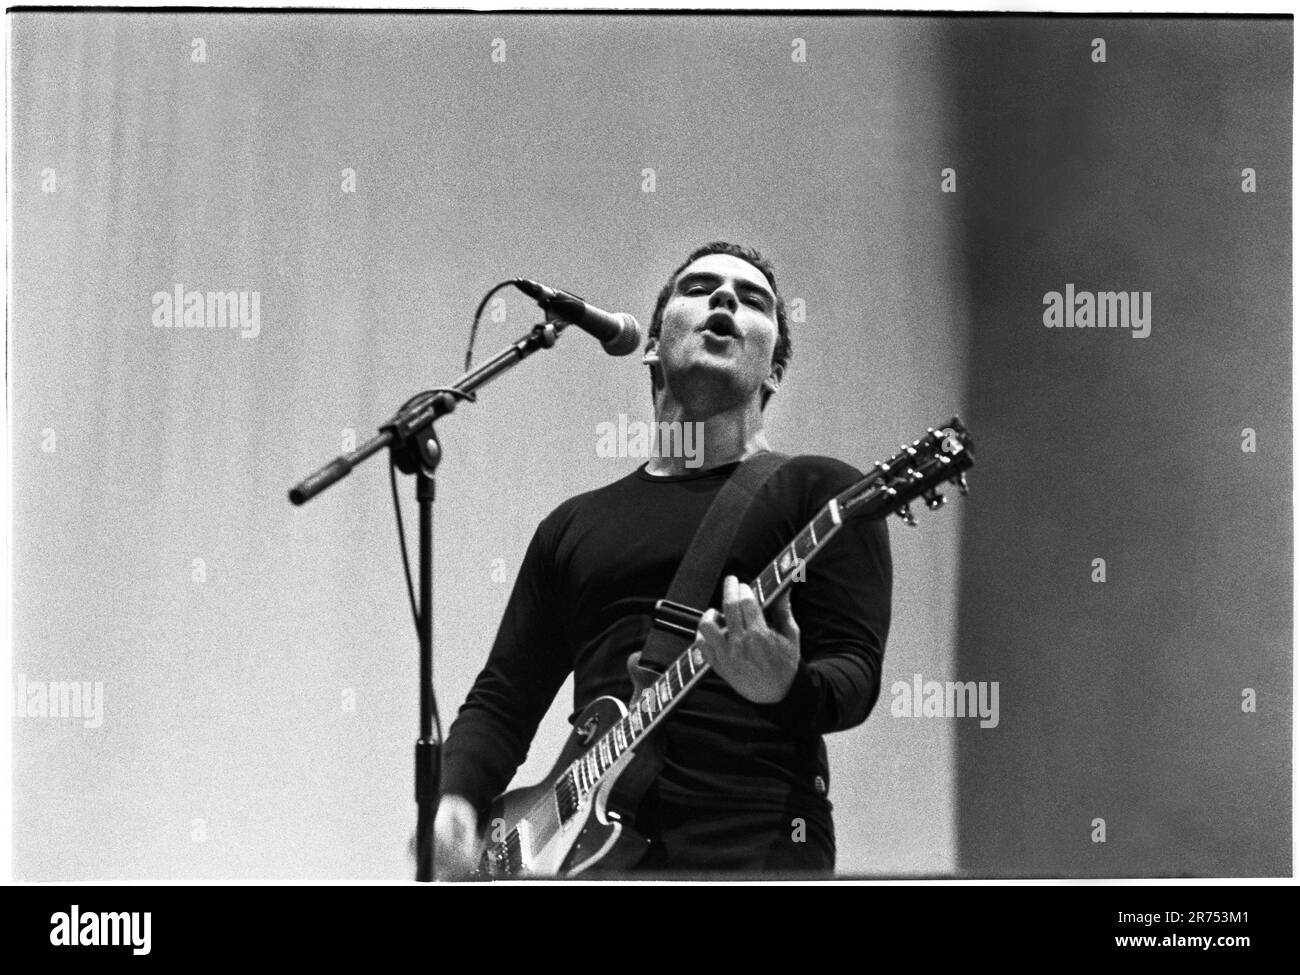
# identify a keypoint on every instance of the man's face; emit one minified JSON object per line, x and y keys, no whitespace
{"x":718,"y":332}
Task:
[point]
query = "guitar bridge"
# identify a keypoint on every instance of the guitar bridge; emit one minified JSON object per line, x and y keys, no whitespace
{"x":677,"y":618}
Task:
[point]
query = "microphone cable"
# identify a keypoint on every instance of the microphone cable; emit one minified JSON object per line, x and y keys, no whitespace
{"x":478,"y":314}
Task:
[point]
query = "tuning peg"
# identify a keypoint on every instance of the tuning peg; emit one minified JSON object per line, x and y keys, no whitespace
{"x":905,"y":512}
{"x":962,"y":486}
{"x":933,"y":499}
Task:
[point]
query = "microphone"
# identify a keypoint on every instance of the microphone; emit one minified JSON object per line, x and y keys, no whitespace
{"x":619,"y":334}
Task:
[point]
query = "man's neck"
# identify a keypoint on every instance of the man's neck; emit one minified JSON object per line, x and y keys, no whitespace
{"x":721,"y":438}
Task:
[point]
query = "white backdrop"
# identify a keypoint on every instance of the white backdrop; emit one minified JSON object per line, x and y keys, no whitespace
{"x":257,"y":661}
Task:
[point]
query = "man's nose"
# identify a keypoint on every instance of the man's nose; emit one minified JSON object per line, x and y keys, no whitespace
{"x":724,"y":296}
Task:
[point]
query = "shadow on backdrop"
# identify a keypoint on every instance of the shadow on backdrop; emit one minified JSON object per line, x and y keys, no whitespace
{"x":1125,"y":704}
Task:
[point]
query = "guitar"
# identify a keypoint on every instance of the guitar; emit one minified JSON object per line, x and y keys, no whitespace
{"x":578,"y":819}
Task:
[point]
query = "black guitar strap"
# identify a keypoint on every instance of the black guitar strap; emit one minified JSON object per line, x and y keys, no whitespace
{"x":697,"y":576}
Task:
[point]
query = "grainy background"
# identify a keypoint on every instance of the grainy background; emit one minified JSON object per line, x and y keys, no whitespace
{"x":226,"y":748}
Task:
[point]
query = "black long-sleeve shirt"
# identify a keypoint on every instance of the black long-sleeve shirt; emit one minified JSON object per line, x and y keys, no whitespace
{"x":736,"y":774}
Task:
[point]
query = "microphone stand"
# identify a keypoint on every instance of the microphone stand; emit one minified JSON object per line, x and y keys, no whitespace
{"x":413,"y":443}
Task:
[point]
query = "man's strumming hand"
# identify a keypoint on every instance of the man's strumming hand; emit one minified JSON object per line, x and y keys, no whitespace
{"x":455,"y":831}
{"x":758,"y":661}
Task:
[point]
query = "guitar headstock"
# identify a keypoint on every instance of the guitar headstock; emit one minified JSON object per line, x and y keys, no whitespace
{"x":942,"y":455}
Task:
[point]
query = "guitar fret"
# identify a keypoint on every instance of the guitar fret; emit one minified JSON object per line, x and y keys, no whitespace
{"x":634,"y":717}
{"x":758,"y":590}
{"x":803,"y":545}
{"x":824,"y":522}
{"x":619,"y":741}
{"x":833,"y":513}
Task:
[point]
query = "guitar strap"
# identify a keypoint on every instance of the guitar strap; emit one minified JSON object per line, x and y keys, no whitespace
{"x":697,"y":576}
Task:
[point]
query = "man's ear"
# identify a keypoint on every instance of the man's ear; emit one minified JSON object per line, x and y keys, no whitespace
{"x":651,"y":358}
{"x":773,"y":382}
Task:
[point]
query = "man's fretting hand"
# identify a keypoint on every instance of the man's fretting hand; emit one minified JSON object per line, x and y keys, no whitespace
{"x":758,"y":661}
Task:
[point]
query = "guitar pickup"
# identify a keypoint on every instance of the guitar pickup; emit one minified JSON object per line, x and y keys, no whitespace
{"x":677,"y":618}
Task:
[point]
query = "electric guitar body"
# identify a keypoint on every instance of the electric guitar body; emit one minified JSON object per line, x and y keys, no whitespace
{"x":599,"y":837}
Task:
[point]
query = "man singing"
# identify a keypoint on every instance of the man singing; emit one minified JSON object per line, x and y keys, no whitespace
{"x":745,"y":782}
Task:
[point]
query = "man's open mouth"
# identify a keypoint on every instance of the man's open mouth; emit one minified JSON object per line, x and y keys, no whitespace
{"x":721,"y":323}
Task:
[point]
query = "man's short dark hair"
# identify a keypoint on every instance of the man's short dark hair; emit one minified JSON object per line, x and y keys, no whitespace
{"x":784,"y":347}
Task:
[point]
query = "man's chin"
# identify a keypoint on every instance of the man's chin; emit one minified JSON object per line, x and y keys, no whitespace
{"x":714,"y":381}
